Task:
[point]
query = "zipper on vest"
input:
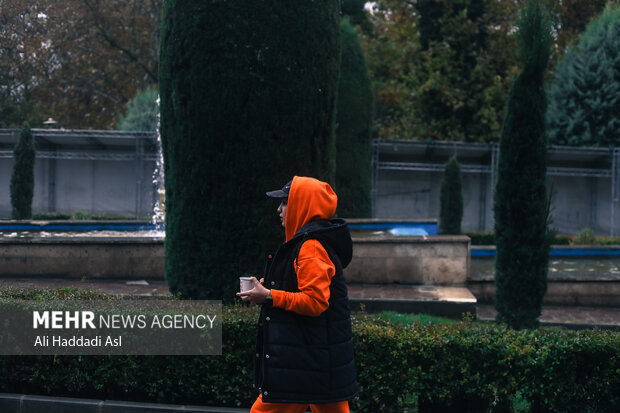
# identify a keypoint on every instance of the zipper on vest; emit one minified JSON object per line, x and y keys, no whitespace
{"x":261,"y":385}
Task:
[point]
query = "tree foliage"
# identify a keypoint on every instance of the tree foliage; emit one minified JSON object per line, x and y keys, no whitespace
{"x":441,"y":68}
{"x":21,"y":54}
{"x":247,"y":101}
{"x":521,"y":206}
{"x":142,"y":112}
{"x":79,"y":61}
{"x":451,"y":199}
{"x":22,"y":178}
{"x":353,"y":132}
{"x":584,"y":98}
{"x":391,"y":48}
{"x":570,"y":18}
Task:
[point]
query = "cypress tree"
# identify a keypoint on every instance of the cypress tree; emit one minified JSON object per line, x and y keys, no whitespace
{"x":521,"y":204}
{"x":22,"y":178}
{"x":451,"y":199}
{"x":584,"y":97}
{"x":353,"y":133}
{"x":247,"y":93}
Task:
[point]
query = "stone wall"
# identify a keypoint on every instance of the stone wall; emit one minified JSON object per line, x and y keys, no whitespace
{"x":91,"y":258}
{"x":431,"y":260}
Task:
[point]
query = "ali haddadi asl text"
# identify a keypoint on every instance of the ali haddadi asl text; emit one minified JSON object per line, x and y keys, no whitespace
{"x":59,"y":341}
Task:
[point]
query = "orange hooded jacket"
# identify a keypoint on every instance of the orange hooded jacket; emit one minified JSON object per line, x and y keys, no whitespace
{"x":309,"y":200}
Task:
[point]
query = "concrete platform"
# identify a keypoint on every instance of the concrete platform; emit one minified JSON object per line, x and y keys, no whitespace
{"x":76,"y":257}
{"x":425,"y":260}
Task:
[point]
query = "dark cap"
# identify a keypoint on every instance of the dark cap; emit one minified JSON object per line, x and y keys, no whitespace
{"x":281,"y":193}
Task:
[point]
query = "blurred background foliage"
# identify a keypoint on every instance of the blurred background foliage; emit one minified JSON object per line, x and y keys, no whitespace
{"x":77,"y":61}
{"x":440,"y":69}
{"x":584,"y":98}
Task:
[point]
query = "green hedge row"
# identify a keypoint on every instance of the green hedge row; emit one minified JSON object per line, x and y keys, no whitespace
{"x":472,"y":367}
{"x":462,"y":367}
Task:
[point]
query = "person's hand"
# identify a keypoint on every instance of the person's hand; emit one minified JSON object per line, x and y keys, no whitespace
{"x":256,"y":295}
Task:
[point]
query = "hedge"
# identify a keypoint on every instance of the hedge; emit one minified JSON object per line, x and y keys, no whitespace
{"x":467,"y":366}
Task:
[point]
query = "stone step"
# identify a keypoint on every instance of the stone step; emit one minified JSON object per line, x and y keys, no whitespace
{"x":444,"y":301}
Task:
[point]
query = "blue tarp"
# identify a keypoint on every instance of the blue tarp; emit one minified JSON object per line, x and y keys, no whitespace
{"x":399,"y":228}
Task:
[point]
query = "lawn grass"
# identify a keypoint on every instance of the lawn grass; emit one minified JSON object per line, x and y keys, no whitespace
{"x":406,"y":318}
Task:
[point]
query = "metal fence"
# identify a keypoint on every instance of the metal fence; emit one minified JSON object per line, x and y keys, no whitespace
{"x":407,"y":176}
{"x":112,"y":172}
{"x":86,"y":170}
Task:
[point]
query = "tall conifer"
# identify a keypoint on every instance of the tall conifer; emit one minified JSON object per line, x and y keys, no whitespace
{"x":451,"y":199}
{"x":521,"y":204}
{"x":22,"y":178}
{"x":353,"y":133}
{"x":247,"y":94}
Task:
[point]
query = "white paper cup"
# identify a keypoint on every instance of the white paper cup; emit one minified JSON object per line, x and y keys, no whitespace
{"x":245,"y":284}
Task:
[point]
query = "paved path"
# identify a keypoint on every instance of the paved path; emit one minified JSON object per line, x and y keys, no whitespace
{"x":605,"y":317}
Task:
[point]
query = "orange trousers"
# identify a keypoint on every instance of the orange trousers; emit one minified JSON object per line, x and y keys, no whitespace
{"x":262,"y":407}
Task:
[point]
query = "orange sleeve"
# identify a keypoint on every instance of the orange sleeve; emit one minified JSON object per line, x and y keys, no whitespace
{"x":314,"y":274}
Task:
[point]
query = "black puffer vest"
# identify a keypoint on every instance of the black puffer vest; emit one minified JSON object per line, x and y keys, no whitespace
{"x":303,"y":359}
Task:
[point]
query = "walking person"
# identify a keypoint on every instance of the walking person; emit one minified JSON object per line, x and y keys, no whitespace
{"x":304,"y":350}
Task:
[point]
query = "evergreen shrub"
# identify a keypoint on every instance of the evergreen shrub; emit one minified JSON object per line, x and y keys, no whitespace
{"x":608,"y":240}
{"x":451,"y":199}
{"x":481,"y":237}
{"x":562,"y":240}
{"x":585,"y":236}
{"x":353,"y":132}
{"x":466,"y":367}
{"x":247,"y":98}
{"x":521,"y":205}
{"x":142,"y":112}
{"x":22,"y":178}
{"x":584,"y":98}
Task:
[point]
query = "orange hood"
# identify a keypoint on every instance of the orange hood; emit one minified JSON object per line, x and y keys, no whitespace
{"x":308,"y":200}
